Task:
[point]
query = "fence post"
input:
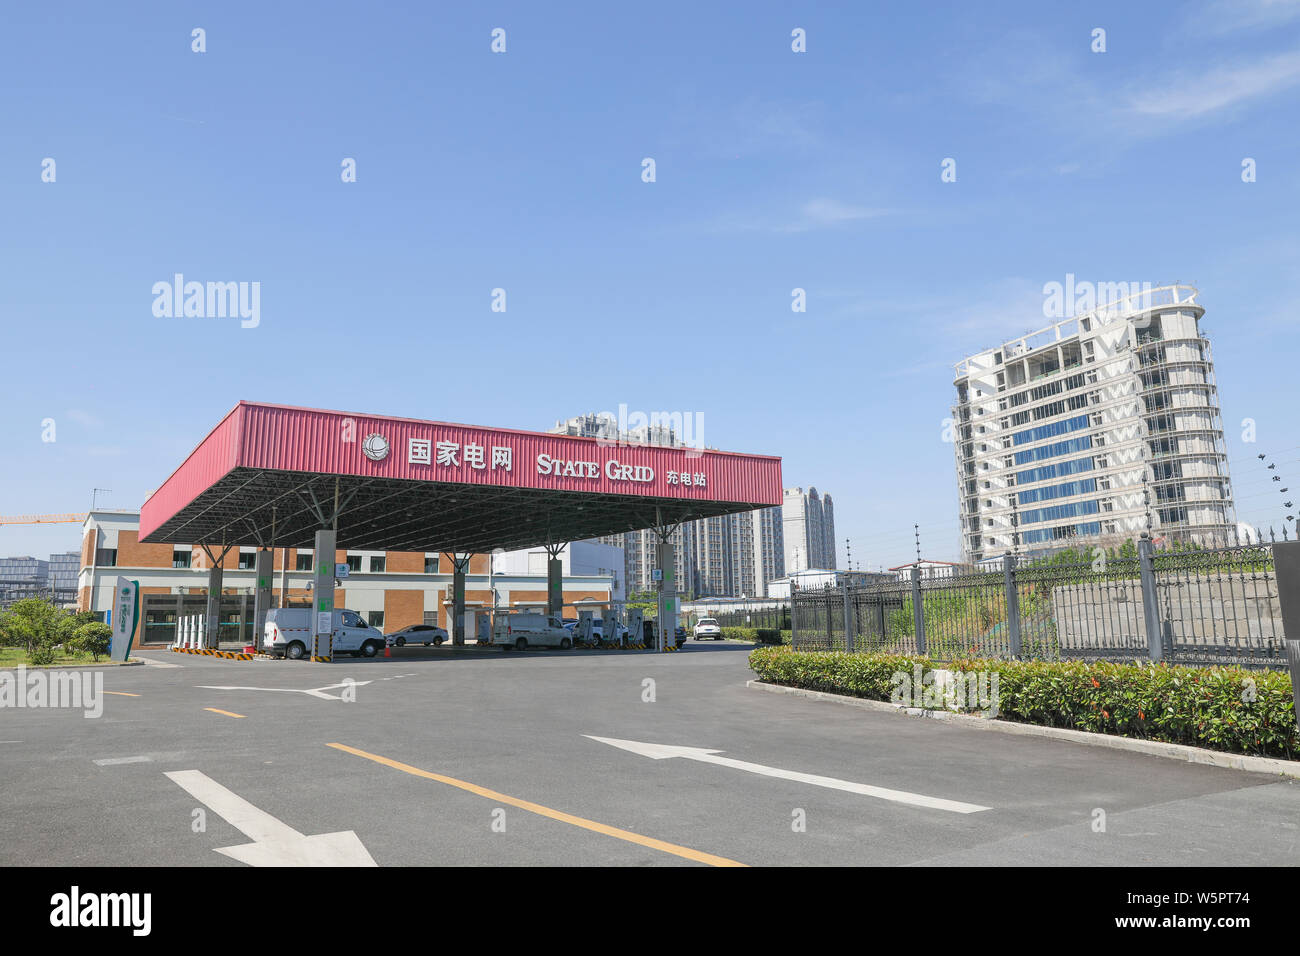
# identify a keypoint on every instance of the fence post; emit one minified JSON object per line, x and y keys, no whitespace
{"x":1150,"y":600}
{"x":1286,"y":569}
{"x":848,"y":617}
{"x":830,"y":619}
{"x":1013,"y":606}
{"x":794,"y":631}
{"x":918,"y":616}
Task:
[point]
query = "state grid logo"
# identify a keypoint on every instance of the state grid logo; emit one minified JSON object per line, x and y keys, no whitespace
{"x":375,"y":447}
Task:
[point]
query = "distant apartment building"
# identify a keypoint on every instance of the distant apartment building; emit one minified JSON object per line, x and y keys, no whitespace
{"x":1093,"y":429}
{"x":26,"y":576}
{"x":808,"y":525}
{"x":63,"y":570}
{"x":730,"y":555}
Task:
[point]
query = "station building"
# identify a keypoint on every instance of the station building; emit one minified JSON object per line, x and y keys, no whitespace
{"x":390,"y":589}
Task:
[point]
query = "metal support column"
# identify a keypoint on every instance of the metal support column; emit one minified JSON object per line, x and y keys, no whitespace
{"x":666,"y":564}
{"x":262,"y":572}
{"x":459,"y":566}
{"x":322,"y":596}
{"x":555,"y":580}
{"x":212,"y":633}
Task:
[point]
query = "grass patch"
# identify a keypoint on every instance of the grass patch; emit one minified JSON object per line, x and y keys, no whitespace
{"x":17,"y":656}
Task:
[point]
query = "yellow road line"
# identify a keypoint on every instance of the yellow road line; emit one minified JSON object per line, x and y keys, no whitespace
{"x":628,"y":835}
{"x":226,"y":712}
{"x":120,"y":693}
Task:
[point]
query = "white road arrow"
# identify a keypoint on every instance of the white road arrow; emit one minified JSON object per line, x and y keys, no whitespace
{"x":274,"y":843}
{"x":316,"y":692}
{"x":664,"y":751}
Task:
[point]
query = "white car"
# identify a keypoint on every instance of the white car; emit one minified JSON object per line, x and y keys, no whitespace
{"x":425,"y":634}
{"x":707,"y":629}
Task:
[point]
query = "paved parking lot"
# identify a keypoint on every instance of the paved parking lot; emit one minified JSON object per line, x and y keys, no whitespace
{"x":462,"y":756}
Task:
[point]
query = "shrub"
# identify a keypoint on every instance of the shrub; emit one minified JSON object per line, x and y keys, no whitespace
{"x":42,"y":655}
{"x":93,"y":637}
{"x":1222,"y":708}
{"x":740,"y":634}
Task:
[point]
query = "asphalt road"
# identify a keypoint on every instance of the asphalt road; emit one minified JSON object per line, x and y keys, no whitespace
{"x":485,"y":758}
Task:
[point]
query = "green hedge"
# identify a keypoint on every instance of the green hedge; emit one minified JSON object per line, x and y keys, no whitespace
{"x":1222,"y":708}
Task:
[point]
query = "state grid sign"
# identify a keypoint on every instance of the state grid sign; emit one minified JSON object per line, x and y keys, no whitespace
{"x":126,"y":612}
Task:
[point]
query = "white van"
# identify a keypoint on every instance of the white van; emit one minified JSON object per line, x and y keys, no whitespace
{"x":288,"y":633}
{"x":518,"y":632}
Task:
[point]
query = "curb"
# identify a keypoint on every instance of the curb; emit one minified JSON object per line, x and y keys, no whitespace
{"x":106,"y":662}
{"x":1154,"y":748}
{"x":206,"y":652}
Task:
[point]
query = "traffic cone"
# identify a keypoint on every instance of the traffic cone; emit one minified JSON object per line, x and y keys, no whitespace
{"x":388,"y":650}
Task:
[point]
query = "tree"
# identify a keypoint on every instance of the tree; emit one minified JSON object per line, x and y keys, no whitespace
{"x":93,"y":636}
{"x":32,"y":623}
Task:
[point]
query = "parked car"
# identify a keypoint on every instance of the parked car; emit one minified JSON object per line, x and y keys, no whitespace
{"x":598,"y":631}
{"x":289,"y":632}
{"x":518,"y":632}
{"x":680,"y":635}
{"x":707,"y":629}
{"x":425,"y":634}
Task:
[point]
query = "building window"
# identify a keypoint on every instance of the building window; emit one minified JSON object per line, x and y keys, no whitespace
{"x":106,"y":557}
{"x":376,"y":618}
{"x":181,"y":559}
{"x":303,"y":562}
{"x":354,"y":562}
{"x":377,"y":565}
{"x":247,"y":560}
{"x":431,"y":565}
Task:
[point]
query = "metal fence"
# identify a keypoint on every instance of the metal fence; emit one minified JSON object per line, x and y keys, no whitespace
{"x":1213,"y":606}
{"x":777,"y":617}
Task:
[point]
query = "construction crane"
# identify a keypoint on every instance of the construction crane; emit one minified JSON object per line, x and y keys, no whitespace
{"x":43,"y":519}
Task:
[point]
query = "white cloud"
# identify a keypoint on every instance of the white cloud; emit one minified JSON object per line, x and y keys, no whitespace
{"x":83,"y":417}
{"x":1227,"y":16}
{"x":1190,"y":96}
{"x":820,"y":213}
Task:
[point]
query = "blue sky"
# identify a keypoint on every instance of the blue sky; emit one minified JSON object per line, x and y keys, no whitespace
{"x":522,"y":171}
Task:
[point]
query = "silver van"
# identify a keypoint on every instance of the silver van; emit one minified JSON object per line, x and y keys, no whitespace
{"x":288,"y":633}
{"x":518,"y":632}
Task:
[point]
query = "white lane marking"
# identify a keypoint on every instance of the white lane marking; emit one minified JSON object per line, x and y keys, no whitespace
{"x":316,"y":692}
{"x":664,"y":751}
{"x":274,"y":843}
{"x":113,"y":761}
